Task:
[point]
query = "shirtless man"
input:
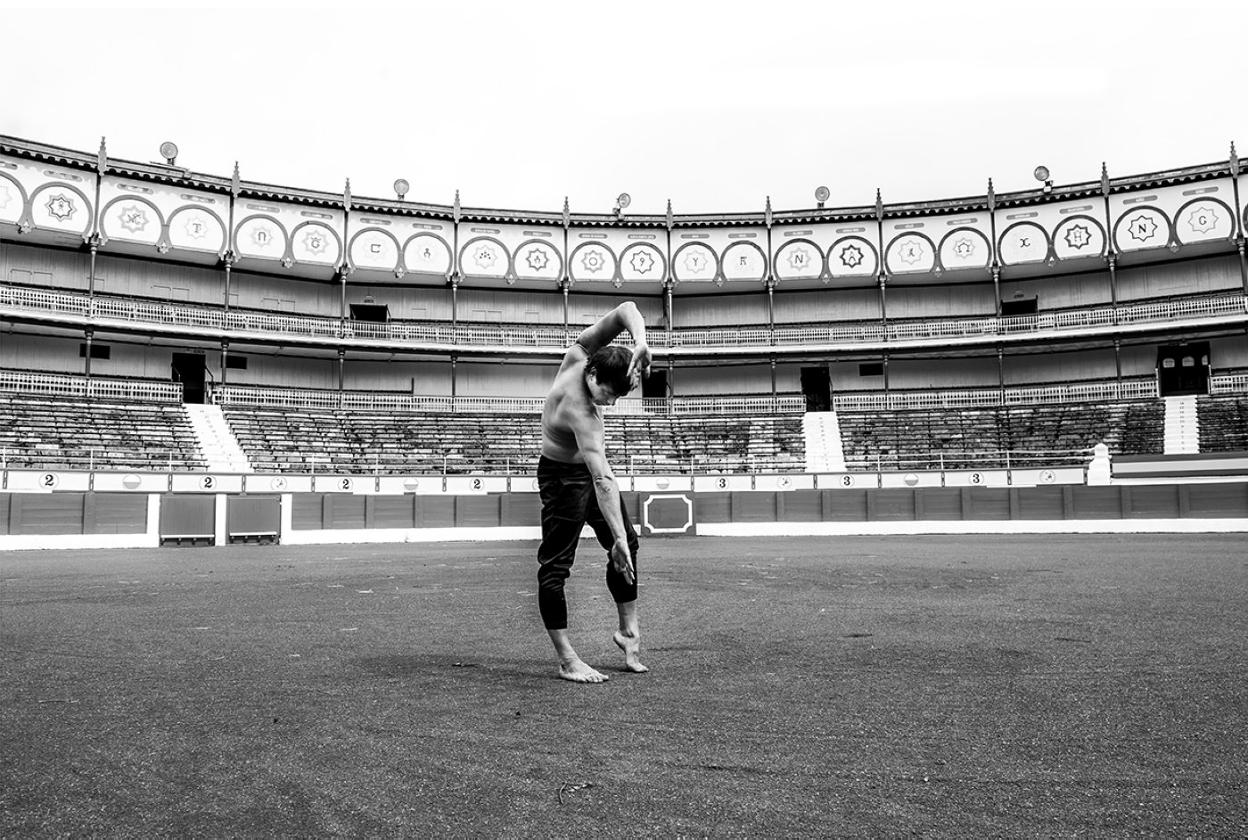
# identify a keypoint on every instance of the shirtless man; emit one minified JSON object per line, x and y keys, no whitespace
{"x":578,"y":487}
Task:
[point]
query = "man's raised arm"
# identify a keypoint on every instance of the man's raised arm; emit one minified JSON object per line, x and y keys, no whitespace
{"x":626,"y":316}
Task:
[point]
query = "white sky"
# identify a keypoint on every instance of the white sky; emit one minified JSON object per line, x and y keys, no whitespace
{"x":714,"y":105}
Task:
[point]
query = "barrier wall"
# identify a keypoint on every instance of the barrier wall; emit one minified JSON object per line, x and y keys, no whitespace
{"x":63,"y":520}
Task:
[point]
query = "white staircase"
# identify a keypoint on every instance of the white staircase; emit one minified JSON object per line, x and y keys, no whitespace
{"x":1182,"y":426}
{"x":824,"y":452}
{"x":217,"y":443}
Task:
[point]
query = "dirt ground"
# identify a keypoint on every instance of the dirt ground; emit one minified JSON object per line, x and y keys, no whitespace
{"x":988,"y":686}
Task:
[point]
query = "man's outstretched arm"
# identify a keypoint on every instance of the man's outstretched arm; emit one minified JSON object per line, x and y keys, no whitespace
{"x":607,"y":493}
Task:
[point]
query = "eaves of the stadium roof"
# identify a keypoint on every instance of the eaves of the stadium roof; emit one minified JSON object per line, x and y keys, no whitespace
{"x":172,"y":174}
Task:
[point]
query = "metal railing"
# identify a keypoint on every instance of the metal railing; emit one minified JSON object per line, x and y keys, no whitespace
{"x":1228,"y":383}
{"x":97,"y":387}
{"x":1127,"y":389}
{"x":138,"y":310}
{"x":1006,"y":459}
{"x":91,"y":459}
{"x":251,"y":396}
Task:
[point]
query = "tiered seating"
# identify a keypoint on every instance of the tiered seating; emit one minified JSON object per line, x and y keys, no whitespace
{"x":659,"y":443}
{"x":1223,"y":423}
{"x":303,"y":440}
{"x":39,"y":432}
{"x":969,"y":438}
{"x":311,"y":440}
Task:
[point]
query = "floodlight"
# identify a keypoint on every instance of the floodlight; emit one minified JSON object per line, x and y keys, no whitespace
{"x":822,"y":194}
{"x":169,"y":151}
{"x":401,"y":186}
{"x":1041,"y":174}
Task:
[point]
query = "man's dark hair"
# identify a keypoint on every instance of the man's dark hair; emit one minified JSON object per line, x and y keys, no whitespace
{"x":610,"y":366}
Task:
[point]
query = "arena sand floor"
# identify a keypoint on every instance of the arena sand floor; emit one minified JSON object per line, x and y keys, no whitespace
{"x":863,"y":687}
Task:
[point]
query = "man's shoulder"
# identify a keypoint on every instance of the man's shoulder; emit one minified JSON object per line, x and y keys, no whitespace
{"x":575,"y":355}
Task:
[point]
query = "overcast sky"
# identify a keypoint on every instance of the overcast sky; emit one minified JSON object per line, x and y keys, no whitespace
{"x":713,"y":105}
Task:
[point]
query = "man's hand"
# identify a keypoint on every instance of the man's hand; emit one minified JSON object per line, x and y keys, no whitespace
{"x":639,"y":365}
{"x":622,"y":560}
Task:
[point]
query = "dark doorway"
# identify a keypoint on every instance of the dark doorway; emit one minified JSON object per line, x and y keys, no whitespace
{"x":1018,"y":306}
{"x":376,"y":312}
{"x":188,"y":368}
{"x":817,"y":388}
{"x":1183,"y":369}
{"x":654,"y":386}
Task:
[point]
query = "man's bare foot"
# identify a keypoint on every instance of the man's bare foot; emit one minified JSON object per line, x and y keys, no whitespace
{"x":578,"y":671}
{"x":631,"y":645}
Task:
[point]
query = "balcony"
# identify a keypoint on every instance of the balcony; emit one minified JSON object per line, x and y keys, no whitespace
{"x":1218,"y":309}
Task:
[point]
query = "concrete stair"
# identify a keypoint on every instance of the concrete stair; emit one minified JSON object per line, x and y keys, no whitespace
{"x":1182,"y":435}
{"x":824,"y":450}
{"x":216,"y":442}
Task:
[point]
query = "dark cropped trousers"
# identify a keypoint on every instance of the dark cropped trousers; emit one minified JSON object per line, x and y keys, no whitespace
{"x":568,"y":504}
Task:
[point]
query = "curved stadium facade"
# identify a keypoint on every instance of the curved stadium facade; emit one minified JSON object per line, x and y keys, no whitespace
{"x":1001,"y":334}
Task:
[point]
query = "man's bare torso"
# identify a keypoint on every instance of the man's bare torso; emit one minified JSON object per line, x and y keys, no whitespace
{"x":568,"y":407}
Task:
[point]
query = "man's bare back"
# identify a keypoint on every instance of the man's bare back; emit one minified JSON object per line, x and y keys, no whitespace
{"x":567,"y":409}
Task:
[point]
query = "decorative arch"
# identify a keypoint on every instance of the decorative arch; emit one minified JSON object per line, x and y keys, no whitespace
{"x":964,"y":231}
{"x":1194,"y":223}
{"x":398,"y":254}
{"x":127,"y":223}
{"x":712,"y":263}
{"x":546,"y":245}
{"x":261,"y":217}
{"x":813,"y":266}
{"x":918,"y":264}
{"x":1075,"y":233}
{"x":450,"y":254}
{"x":1142,"y":229}
{"x":852,"y":259}
{"x":762,"y":255}
{"x":504,"y":269}
{"x":612,"y":276}
{"x":1023,"y":249}
{"x":86,"y":203}
{"x":19,"y":197}
{"x":333,"y":234}
{"x":190,"y":208}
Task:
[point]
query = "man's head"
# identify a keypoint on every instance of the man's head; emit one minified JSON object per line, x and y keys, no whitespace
{"x":606,"y":374}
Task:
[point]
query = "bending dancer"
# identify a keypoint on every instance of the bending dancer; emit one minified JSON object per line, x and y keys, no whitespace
{"x":578,"y":487}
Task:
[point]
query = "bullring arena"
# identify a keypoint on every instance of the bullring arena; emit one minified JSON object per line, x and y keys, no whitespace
{"x":942,"y":508}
